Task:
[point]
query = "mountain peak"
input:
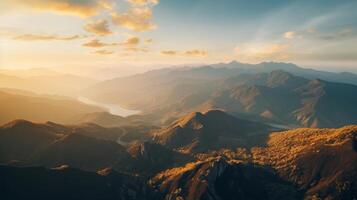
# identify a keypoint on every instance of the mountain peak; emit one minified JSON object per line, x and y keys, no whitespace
{"x":19,"y":123}
{"x":207,"y":131}
{"x":202,"y":117}
{"x":234,"y":62}
{"x":189,"y":119}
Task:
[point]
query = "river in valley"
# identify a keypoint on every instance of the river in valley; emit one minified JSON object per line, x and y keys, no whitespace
{"x":113,"y":109}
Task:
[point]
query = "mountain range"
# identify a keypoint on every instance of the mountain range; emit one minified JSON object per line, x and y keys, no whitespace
{"x":287,"y":99}
{"x":274,"y":92}
{"x":224,"y":131}
{"x":292,"y":164}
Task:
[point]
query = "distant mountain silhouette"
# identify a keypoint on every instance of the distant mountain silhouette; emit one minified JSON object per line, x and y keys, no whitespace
{"x":170,"y":93}
{"x":40,"y":108}
{"x":44,"y":81}
{"x":287,"y":99}
{"x":267,"y":67}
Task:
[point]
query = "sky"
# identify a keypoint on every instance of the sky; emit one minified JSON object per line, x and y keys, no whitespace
{"x":133,"y":35}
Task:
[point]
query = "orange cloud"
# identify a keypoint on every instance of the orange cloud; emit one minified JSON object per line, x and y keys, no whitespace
{"x":34,"y":37}
{"x":131,"y":41}
{"x":137,"y":19}
{"x":103,"y":52}
{"x":195,"y":52}
{"x":100,"y":27}
{"x":143,"y":2}
{"x":136,"y":49}
{"x":76,"y":7}
{"x":169,"y":52}
{"x":97,"y":44}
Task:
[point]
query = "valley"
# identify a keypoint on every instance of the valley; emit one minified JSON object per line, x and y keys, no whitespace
{"x":227,"y":131}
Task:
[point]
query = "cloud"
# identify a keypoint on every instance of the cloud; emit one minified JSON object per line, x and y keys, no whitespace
{"x":137,"y":19}
{"x":289,"y":35}
{"x":100,"y":27}
{"x":83,"y":8}
{"x":97,"y":44}
{"x":137,"y":49}
{"x":103,"y":52}
{"x":143,"y":2}
{"x":261,"y":51}
{"x":343,"y":34}
{"x":36,"y":37}
{"x":131,"y":41}
{"x":195,"y":52}
{"x":169,"y":52}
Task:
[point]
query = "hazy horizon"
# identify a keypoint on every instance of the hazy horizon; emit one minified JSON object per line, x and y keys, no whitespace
{"x":110,"y":72}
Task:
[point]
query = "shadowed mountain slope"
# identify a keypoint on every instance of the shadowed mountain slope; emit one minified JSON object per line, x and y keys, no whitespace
{"x":218,"y":178}
{"x":81,"y":152}
{"x":66,"y":183}
{"x":212,"y":130}
{"x":20,"y":139}
{"x":150,"y":158}
{"x":50,"y":144}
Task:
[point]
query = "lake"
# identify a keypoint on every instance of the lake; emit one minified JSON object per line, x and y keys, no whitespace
{"x":113,"y":109}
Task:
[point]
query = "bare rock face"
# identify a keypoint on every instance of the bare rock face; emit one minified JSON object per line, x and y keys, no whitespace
{"x":218,"y":178}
